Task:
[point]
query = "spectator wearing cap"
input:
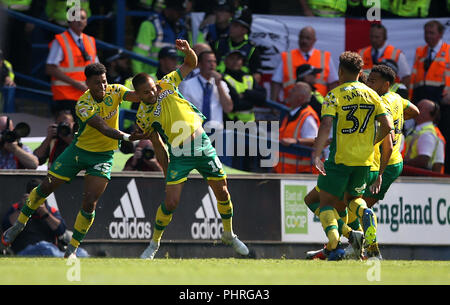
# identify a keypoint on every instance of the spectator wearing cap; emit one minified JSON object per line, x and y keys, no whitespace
{"x":379,"y":50}
{"x":245,"y":93}
{"x":6,"y":73}
{"x":284,"y":76}
{"x":208,"y":92}
{"x":168,"y":62}
{"x":223,"y":12}
{"x":238,"y":39}
{"x":307,"y":73}
{"x":118,"y":69}
{"x":158,"y":31}
{"x":300,"y":127}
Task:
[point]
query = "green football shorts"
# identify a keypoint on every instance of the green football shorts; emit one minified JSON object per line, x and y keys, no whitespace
{"x":74,"y":159}
{"x":341,"y":178}
{"x":201,"y":156}
{"x":389,"y":175}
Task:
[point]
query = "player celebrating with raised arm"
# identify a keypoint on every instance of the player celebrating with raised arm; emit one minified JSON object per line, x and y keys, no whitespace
{"x":387,"y":167}
{"x":92,"y":150}
{"x":179,"y":123}
{"x":351,"y":108}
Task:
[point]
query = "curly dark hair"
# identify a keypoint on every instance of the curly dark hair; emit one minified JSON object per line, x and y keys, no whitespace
{"x":94,"y":69}
{"x":351,"y":62}
{"x":385,"y":71}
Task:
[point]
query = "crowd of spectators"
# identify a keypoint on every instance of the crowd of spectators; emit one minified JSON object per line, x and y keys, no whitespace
{"x":227,"y":82}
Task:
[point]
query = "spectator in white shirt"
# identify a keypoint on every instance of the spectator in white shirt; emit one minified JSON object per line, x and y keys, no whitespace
{"x":424,"y":146}
{"x":208,"y":81}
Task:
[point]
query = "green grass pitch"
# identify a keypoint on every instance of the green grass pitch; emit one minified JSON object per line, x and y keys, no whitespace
{"x":231,"y":271}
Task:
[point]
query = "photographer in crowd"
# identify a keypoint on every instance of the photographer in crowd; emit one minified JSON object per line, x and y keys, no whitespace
{"x":46,"y":233}
{"x":59,"y":136}
{"x":13,"y":154}
{"x":143,"y":158}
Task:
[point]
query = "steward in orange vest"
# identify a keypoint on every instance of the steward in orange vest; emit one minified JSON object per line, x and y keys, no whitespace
{"x":430,"y":76}
{"x":70,"y":52}
{"x":73,"y":64}
{"x":290,"y":128}
{"x":390,"y":52}
{"x":294,"y":58}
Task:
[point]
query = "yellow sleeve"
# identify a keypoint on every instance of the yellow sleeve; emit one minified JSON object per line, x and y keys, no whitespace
{"x":85,"y":110}
{"x":121,"y":91}
{"x":329,"y":106}
{"x":173,"y":78}
{"x":405,"y":103}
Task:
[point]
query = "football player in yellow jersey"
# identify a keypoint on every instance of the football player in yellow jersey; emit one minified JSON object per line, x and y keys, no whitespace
{"x":351,"y":109}
{"x":388,"y":161}
{"x":164,"y":111}
{"x":92,"y":150}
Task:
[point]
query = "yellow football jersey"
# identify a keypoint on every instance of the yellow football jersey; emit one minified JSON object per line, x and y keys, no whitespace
{"x":396,"y":105}
{"x":354,"y":107}
{"x":172,"y":116}
{"x":89,"y":138}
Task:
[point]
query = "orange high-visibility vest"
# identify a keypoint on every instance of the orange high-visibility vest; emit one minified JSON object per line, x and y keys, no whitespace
{"x":294,"y":58}
{"x":289,"y":163}
{"x":72,"y":65}
{"x":390,"y":52}
{"x":438,"y":73}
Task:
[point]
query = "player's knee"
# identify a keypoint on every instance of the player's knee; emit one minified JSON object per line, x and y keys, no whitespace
{"x":312,"y":197}
{"x":221,"y":192}
{"x":308,"y":199}
{"x":49,"y":185}
{"x":171,"y":204}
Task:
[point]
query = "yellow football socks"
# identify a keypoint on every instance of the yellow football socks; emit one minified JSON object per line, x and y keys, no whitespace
{"x":35,"y":199}
{"x":163,"y":218}
{"x":357,"y":206}
{"x":330,"y":226}
{"x":353,"y":221}
{"x":83,"y":222}
{"x":225,"y":209}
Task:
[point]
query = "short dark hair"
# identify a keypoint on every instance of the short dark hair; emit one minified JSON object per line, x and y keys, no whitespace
{"x":379,"y":26}
{"x":386,"y":72}
{"x":94,"y":69}
{"x":203,"y":54}
{"x":351,"y":62}
{"x":440,"y":26}
{"x":140,"y":79}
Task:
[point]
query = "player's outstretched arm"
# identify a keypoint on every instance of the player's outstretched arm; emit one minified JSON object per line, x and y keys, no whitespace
{"x":160,"y":151}
{"x":190,"y":59}
{"x":411,"y":111}
{"x":98,"y":123}
{"x":132,"y":97}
